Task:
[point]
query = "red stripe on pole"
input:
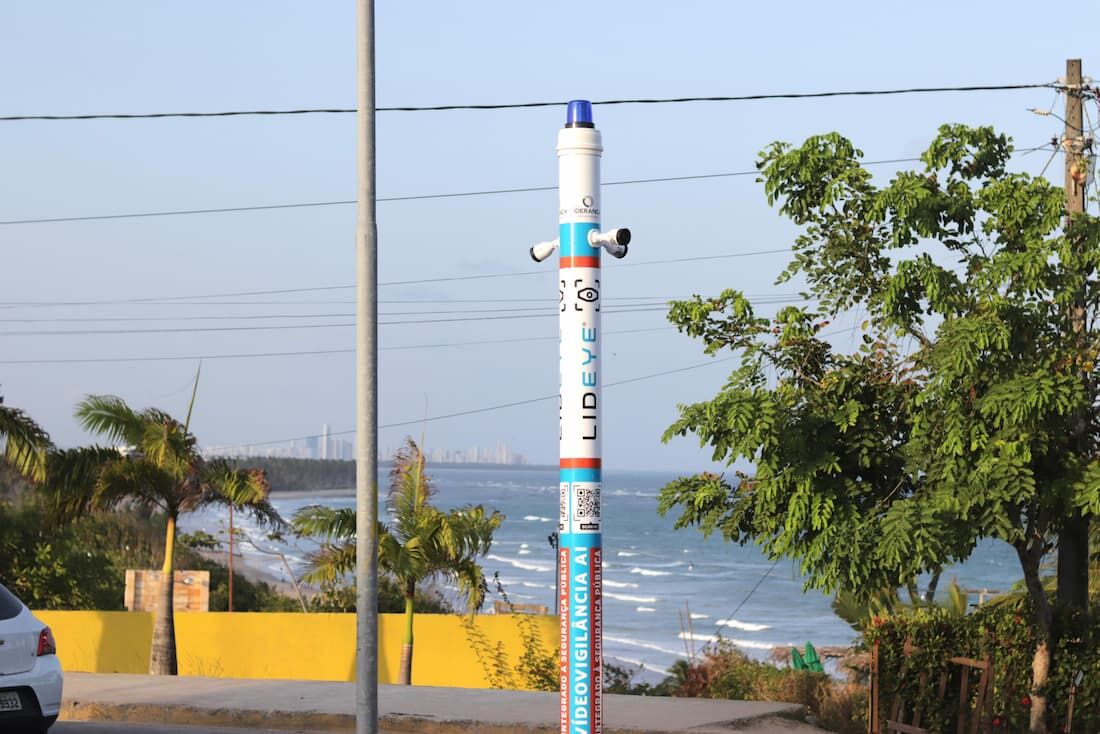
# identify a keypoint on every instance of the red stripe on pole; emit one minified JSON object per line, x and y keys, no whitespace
{"x":596,"y":595}
{"x":563,"y":642}
{"x":580,"y":464}
{"x":580,"y":261}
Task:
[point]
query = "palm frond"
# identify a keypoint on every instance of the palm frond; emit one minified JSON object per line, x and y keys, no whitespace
{"x":134,"y":480}
{"x":330,"y":562}
{"x":70,"y":479}
{"x":25,"y":443}
{"x":243,"y":489}
{"x":410,"y":486}
{"x":323,"y":522}
{"x":109,"y":416}
{"x":471,"y":582}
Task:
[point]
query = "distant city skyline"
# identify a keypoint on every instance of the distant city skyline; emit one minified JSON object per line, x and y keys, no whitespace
{"x":325,"y":446}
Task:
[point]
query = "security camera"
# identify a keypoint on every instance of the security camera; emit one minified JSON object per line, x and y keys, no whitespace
{"x":543,"y":250}
{"x":614,"y":241}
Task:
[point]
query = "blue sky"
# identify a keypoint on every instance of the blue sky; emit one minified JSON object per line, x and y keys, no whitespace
{"x":76,"y":57}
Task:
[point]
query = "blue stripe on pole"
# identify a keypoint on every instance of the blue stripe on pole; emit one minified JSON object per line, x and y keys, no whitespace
{"x":579,"y":475}
{"x":581,"y":540}
{"x":573,"y":239}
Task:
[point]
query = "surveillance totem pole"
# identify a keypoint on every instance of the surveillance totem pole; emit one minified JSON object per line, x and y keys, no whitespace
{"x":580,"y":544}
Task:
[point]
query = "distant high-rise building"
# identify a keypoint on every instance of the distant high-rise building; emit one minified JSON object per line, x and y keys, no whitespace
{"x":324,"y":441}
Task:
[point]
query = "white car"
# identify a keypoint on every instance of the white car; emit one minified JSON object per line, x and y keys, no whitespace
{"x":30,"y":674}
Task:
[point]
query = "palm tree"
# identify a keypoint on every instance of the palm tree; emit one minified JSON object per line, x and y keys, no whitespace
{"x":157,"y":467}
{"x":421,"y":543}
{"x":25,"y":442}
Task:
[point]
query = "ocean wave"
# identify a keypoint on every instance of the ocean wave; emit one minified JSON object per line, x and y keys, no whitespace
{"x":630,"y":597}
{"x":708,"y":639}
{"x":530,"y":585}
{"x":649,"y":572}
{"x":743,"y":626}
{"x":515,"y":563}
{"x":619,"y":584}
{"x":625,"y":554}
{"x":642,"y":664}
{"x":645,"y":609}
{"x":696,"y":615}
{"x":524,"y":552}
{"x":642,"y":644}
{"x":536,"y":518}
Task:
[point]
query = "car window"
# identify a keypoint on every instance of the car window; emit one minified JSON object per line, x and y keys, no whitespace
{"x":10,"y":606}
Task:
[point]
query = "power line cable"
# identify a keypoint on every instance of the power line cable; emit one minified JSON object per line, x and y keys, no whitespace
{"x":411,"y":197}
{"x":491,"y":408}
{"x":284,"y":327}
{"x":533,"y":105}
{"x":546,"y":308}
{"x":307,"y":352}
{"x":280,"y":291}
{"x":516,"y":403}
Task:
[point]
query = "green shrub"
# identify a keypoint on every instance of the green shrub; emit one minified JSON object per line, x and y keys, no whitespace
{"x":1001,"y":629}
{"x":725,"y":672}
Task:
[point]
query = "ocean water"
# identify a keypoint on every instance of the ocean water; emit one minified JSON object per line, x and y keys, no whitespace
{"x":667,"y":592}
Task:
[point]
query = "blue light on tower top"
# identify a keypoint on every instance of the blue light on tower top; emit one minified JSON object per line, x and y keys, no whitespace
{"x":579,"y":114}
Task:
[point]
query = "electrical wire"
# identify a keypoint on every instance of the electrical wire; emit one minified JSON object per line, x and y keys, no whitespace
{"x":307,"y":352}
{"x":285,"y":327}
{"x":627,"y":307}
{"x":410,"y":197}
{"x":532,"y":105}
{"x":491,"y":408}
{"x":446,"y":279}
{"x":513,"y":404}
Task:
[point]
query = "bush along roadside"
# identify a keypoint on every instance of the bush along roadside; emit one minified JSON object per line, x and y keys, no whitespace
{"x":1001,"y":630}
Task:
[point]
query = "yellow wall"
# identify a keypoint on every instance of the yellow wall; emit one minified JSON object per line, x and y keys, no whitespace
{"x":291,"y":645}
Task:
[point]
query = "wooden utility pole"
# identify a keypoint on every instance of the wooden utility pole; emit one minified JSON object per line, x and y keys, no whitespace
{"x":1073,"y":541}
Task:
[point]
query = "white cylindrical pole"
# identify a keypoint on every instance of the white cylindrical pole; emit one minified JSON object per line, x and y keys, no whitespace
{"x":580,"y":547}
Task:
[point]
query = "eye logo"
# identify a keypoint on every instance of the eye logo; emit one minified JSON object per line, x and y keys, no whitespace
{"x":588,"y":294}
{"x":587,"y":201}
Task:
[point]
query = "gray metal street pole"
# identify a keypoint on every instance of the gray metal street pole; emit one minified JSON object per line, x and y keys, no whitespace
{"x":366,"y":390}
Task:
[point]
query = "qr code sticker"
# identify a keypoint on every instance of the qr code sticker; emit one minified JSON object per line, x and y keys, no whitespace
{"x":563,"y":506}
{"x":587,"y":501}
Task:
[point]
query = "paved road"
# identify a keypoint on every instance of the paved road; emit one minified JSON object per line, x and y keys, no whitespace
{"x":92,"y":727}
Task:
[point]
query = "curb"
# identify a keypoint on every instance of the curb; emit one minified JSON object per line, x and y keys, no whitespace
{"x":178,"y":714}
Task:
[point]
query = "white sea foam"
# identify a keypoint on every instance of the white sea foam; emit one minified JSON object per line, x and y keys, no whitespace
{"x":619,"y":584}
{"x":696,"y":615}
{"x":744,"y":626}
{"x":649,"y":572}
{"x":643,"y":664}
{"x":645,"y":609}
{"x":625,"y":554}
{"x":530,"y":585}
{"x":520,"y":564}
{"x":642,"y":644}
{"x":524,"y":552}
{"x":748,"y":644}
{"x":754,"y":644}
{"x":630,"y":597}
{"x":522,"y":545}
{"x":536,"y":518}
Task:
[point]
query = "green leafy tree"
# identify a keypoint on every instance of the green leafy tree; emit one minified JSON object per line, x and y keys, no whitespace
{"x":968,"y":411}
{"x":421,"y":543}
{"x":158,"y":467}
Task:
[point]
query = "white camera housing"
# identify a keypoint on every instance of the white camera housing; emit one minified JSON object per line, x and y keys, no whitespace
{"x":615,"y":241}
{"x":543,"y":250}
